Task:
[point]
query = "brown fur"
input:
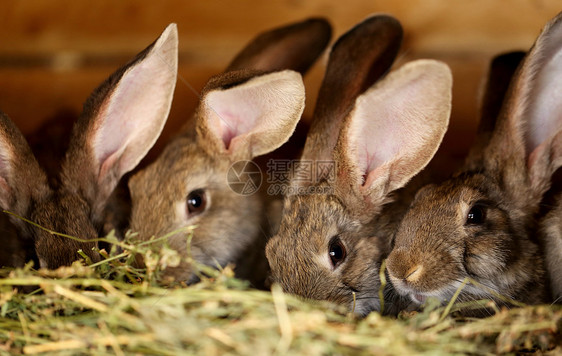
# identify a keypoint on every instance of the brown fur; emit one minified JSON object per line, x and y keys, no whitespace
{"x":366,"y":59}
{"x":497,"y":254}
{"x":502,"y":69}
{"x":365,"y":201}
{"x":73,"y":202}
{"x":294,"y":46}
{"x":506,"y":174}
{"x":550,"y":231}
{"x":551,"y":235}
{"x":303,"y":268}
{"x":315,"y":216}
{"x":231,"y":223}
{"x":233,"y":228}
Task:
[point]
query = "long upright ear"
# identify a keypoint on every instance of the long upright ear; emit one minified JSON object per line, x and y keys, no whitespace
{"x":502,"y":68}
{"x":392,"y":133}
{"x":21,"y":178}
{"x":358,"y":58}
{"x":295,"y":46}
{"x":121,"y":120}
{"x":251,"y":118}
{"x":527,"y":134}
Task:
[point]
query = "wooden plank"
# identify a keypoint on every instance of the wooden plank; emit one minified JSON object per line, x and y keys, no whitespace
{"x":221,"y":27}
{"x":53,"y":53}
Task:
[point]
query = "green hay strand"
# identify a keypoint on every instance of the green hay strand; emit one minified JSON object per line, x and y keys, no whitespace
{"x":115,"y":308}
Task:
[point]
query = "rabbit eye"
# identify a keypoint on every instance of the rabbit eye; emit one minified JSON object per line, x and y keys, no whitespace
{"x":336,"y":252}
{"x":196,"y":202}
{"x":476,"y":215}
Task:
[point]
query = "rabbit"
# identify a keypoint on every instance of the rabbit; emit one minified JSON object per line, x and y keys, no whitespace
{"x":120,"y":122}
{"x":481,"y":222}
{"x":335,"y":232}
{"x":246,"y":112}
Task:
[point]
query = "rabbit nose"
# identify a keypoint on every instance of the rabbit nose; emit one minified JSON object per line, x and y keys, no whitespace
{"x":414,"y":273}
{"x":398,"y":264}
{"x":402,"y":265}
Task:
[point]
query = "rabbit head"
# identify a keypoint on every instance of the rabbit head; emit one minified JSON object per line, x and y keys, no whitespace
{"x":120,"y":122}
{"x":481,"y":223}
{"x":332,"y":236}
{"x":241,"y":115}
{"x":200,"y":177}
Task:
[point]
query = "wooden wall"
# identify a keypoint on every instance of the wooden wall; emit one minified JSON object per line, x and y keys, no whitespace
{"x":54,"y":52}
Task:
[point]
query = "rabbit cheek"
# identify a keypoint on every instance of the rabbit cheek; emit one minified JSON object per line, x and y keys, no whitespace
{"x":67,"y":214}
{"x":278,"y":258}
{"x":230,"y":231}
{"x":489,"y":246}
{"x":360,"y":274}
{"x":484,"y":259}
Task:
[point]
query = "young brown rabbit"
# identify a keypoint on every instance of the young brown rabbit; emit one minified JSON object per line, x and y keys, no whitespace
{"x":120,"y":122}
{"x":334,"y":233}
{"x":481,"y":222}
{"x":243,"y":114}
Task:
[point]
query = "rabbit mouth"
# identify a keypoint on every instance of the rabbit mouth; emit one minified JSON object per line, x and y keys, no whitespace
{"x":418,"y":298}
{"x":406,"y":290}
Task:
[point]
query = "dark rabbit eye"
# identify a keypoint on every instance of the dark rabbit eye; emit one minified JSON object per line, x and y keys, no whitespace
{"x":336,"y":251}
{"x":476,"y":215}
{"x":196,"y":202}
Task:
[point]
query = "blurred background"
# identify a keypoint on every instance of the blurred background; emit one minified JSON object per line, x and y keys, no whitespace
{"x":54,"y":53}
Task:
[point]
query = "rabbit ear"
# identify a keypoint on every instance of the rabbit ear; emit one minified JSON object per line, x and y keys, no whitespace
{"x":122,"y":119}
{"x":532,"y":119}
{"x":358,"y":58}
{"x":295,"y":46}
{"x":502,"y":68}
{"x":252,"y":118}
{"x":21,"y":178}
{"x":393,"y":131}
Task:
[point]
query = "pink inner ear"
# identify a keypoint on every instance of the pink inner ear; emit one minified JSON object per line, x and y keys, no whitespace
{"x":133,"y":115}
{"x":134,"y":112}
{"x":236,"y":112}
{"x":228,"y":124}
{"x":227,"y":137}
{"x":384,"y":129}
{"x":371,"y":161}
{"x":397,"y":125}
{"x":257,"y":116}
{"x":540,"y":86}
